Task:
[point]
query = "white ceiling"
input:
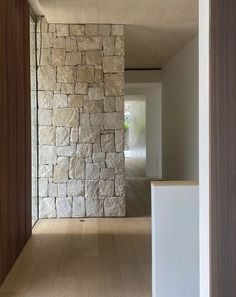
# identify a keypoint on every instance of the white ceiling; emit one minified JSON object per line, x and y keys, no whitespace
{"x":156,"y":29}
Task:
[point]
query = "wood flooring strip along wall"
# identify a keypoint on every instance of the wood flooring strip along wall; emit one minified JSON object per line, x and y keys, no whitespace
{"x":15,"y":131}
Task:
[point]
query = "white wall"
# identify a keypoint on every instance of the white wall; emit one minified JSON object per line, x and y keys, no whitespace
{"x":180,"y":114}
{"x":204,"y":21}
{"x":175,"y":242}
{"x":152,"y":91}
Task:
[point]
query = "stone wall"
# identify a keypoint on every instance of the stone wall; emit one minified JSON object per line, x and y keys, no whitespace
{"x":81,"y":136}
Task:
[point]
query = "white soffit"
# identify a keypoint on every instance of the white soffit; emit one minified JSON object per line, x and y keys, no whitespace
{"x":156,"y":29}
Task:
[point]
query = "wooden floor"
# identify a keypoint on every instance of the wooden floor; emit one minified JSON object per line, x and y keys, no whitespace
{"x":91,"y":257}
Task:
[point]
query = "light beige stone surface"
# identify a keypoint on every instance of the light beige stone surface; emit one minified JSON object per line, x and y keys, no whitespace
{"x":65,"y":117}
{"x":81,"y":110}
{"x":47,"y":135}
{"x":58,"y":56}
{"x":113,"y":64}
{"x":114,"y":84}
{"x":114,"y":207}
{"x":77,"y":167}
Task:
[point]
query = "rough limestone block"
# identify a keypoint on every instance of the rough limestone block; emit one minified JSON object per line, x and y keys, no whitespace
{"x":52,"y":190}
{"x":96,"y":93}
{"x":91,"y":29}
{"x":88,"y":43}
{"x":77,"y":167}
{"x":78,"y":209}
{"x":47,"y":155}
{"x":81,"y":88}
{"x":43,"y":187}
{"x":46,"y":57}
{"x":115,"y":160}
{"x":67,"y":88}
{"x":92,"y":171}
{"x":47,"y":78}
{"x":113,"y":64}
{"x":52,"y":28}
{"x":96,"y":119}
{"x":88,"y":134}
{"x":96,"y":148}
{"x":58,"y":56}
{"x":108,"y":142}
{"x":94,"y":208}
{"x":45,"y":99}
{"x":113,"y":120}
{"x":59,"y":42}
{"x":59,"y":100}
{"x":62,"y":160}
{"x":84,"y":119}
{"x":44,"y":117}
{"x":62,"y":136}
{"x":62,"y":30}
{"x":114,"y":207}
{"x":91,"y":189}
{"x":119,"y":46}
{"x":45,"y":170}
{"x":66,"y":117}
{"x":47,"y":135}
{"x":119,"y":140}
{"x":73,"y":58}
{"x":98,"y":76}
{"x":47,"y":208}
{"x":106,"y":187}
{"x":88,"y":160}
{"x":109,"y":104}
{"x":75,"y":188}
{"x":74,"y":133}
{"x":108,"y":45}
{"x":64,"y":207}
{"x":60,"y":174}
{"x":99,"y":157}
{"x":120,"y":185}
{"x":66,"y":74}
{"x":66,"y":151}
{"x":93,"y":106}
{"x":94,"y":58}
{"x":47,"y":40}
{"x":76,"y":101}
{"x":104,"y":29}
{"x":120,"y":104}
{"x":107,"y":173}
{"x":62,"y":190}
{"x":85,"y":73}
{"x":117,"y":30}
{"x":84,"y":150}
{"x":77,"y":30}
{"x":114,"y":84}
{"x":71,"y":44}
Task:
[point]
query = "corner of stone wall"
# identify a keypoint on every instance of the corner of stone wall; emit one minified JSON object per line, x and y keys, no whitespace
{"x":81,"y":120}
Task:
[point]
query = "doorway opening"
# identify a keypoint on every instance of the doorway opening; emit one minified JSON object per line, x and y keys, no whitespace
{"x":135,"y":136}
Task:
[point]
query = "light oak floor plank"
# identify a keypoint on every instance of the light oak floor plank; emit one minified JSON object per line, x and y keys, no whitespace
{"x":105,"y":257}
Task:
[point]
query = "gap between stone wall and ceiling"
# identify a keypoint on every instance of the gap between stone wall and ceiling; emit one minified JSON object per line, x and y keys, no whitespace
{"x":81,"y":120}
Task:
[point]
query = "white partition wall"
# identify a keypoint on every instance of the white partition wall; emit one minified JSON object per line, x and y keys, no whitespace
{"x":175,"y":240}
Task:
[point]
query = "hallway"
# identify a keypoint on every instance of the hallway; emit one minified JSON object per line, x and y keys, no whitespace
{"x":138,"y":189}
{"x":84,"y":258}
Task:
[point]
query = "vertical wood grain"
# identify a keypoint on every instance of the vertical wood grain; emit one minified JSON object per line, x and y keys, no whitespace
{"x":223,"y":148}
{"x":15,"y":132}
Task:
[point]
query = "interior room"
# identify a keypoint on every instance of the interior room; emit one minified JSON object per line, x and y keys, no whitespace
{"x":114,"y":116}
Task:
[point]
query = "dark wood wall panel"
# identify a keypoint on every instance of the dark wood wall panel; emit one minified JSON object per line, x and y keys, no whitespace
{"x":223,"y":148}
{"x":15,"y":132}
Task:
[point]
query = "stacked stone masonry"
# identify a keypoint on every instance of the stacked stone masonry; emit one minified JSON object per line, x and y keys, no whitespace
{"x":80,"y":116}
